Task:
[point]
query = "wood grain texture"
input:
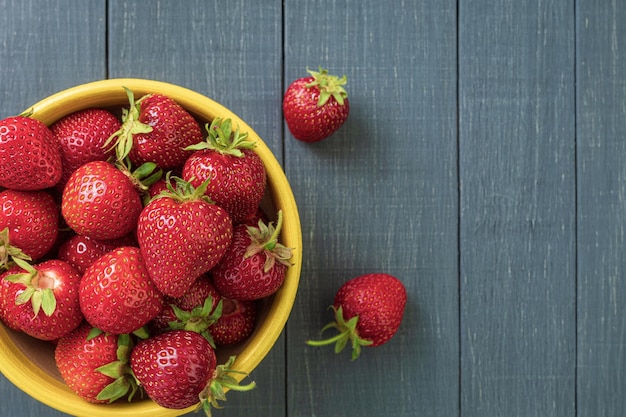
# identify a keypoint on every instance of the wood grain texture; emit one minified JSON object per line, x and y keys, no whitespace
{"x":38,"y":57}
{"x":601,"y":115}
{"x":229,"y":51}
{"x":517,"y":170}
{"x":379,"y":195}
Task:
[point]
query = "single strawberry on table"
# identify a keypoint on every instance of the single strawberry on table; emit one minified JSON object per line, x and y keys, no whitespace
{"x":96,"y":365}
{"x":29,"y":155}
{"x":255,"y":264}
{"x":156,"y":129}
{"x":42,"y":299}
{"x":29,"y":222}
{"x":368,"y":312}
{"x":236,"y":172}
{"x":81,"y":137}
{"x":182,"y":235}
{"x":116,"y":293}
{"x":316,"y":106}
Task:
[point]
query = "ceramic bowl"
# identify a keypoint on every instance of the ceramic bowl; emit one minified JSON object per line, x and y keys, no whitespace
{"x":29,"y":363}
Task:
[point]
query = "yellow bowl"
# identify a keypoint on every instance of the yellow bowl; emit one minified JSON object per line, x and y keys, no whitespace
{"x":29,"y":363}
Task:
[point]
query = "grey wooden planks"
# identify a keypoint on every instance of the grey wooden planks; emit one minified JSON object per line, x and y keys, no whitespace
{"x":518,"y":206}
{"x":380,"y":195}
{"x":601,"y":145}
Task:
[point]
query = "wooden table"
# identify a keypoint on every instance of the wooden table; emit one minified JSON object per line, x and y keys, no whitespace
{"x":483,"y":164}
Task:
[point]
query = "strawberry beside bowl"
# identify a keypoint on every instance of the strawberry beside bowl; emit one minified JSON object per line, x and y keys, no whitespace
{"x":29,"y":363}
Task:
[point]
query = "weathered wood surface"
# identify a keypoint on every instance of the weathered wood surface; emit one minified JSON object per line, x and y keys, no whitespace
{"x":481,"y":164}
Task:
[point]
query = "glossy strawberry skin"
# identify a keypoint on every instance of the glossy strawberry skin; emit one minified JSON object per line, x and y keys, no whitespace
{"x":29,"y":155}
{"x":81,"y":251}
{"x":173,"y":129}
{"x":81,"y":137}
{"x":237,"y":183}
{"x":100,"y":201}
{"x":78,"y":358}
{"x":64,"y":280}
{"x":181,"y":241}
{"x":8,"y":292}
{"x":116,"y":293}
{"x":32,"y":218}
{"x":174,"y":367}
{"x":379,"y":300}
{"x":236,"y":322}
{"x":243,"y":278}
{"x":306,"y":121}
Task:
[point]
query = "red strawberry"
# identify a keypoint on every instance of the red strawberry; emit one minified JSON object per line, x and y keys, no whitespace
{"x":29,"y":155}
{"x":255,"y":264}
{"x":116,"y":293}
{"x":51,"y":286}
{"x":315,"y":107}
{"x":235,"y":323}
{"x":100,"y":201}
{"x":156,"y":129}
{"x":174,"y":367}
{"x":81,"y":137}
{"x":81,"y":251}
{"x":95,"y":366}
{"x":368,"y":312}
{"x":7,"y":295}
{"x":29,"y":220}
{"x":236,"y":172}
{"x":182,"y":236}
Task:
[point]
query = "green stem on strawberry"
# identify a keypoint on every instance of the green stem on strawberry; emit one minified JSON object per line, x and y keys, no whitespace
{"x":265,"y":239}
{"x":122,"y":140}
{"x":37,"y":290}
{"x":120,"y":371}
{"x":329,"y":86}
{"x":182,"y":191}
{"x":214,"y":390}
{"x":8,"y":252}
{"x":222,"y":139}
{"x":347,"y":333}
{"x":199,"y":319}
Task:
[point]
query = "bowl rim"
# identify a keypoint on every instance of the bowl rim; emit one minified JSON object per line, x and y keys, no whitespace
{"x":110,"y":92}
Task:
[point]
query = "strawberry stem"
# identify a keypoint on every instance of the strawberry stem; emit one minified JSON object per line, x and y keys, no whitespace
{"x":222,"y":139}
{"x":348,"y":333}
{"x":329,"y":86}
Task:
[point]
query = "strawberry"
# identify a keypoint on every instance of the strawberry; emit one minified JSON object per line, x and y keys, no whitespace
{"x":29,"y":220}
{"x":174,"y":367}
{"x":368,"y":312}
{"x":116,"y":293}
{"x":236,"y":172}
{"x":7,"y":295}
{"x":43,"y":299}
{"x":95,"y":365}
{"x":315,"y":107}
{"x":235,"y":323}
{"x":100,"y":201}
{"x":81,"y":137}
{"x":29,"y":155}
{"x":81,"y":251}
{"x":255,"y":264}
{"x":156,"y":129}
{"x":182,"y":235}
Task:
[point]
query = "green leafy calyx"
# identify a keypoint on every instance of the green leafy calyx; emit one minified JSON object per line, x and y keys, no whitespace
{"x":222,"y":139}
{"x":122,"y":140}
{"x":329,"y":86}
{"x":347,"y":333}
{"x":265,"y":240}
{"x":199,"y":319}
{"x":221,"y":380}
{"x":8,"y":252}
{"x":39,"y":288}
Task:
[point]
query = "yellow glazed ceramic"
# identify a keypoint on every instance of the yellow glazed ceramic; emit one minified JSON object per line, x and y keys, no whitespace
{"x":29,"y":364}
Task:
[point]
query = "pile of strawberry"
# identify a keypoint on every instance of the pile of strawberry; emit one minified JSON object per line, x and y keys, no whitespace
{"x":137,"y":245}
